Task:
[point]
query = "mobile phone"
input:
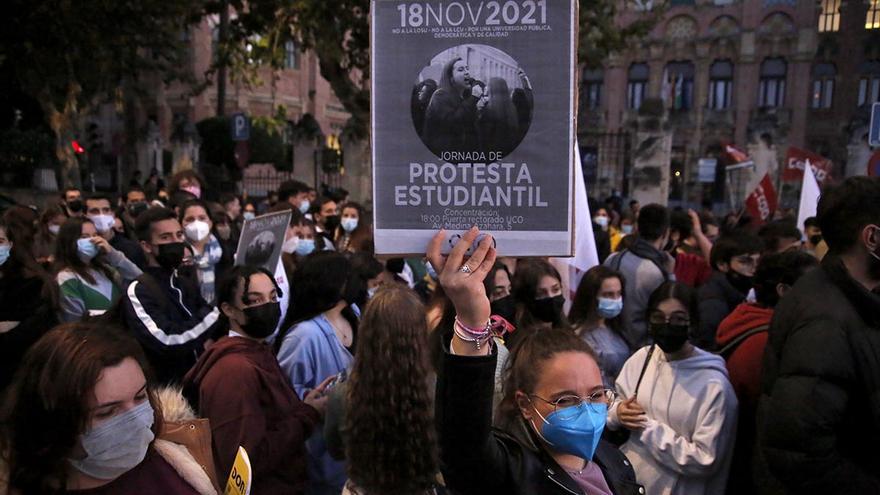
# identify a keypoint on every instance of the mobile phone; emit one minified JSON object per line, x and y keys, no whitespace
{"x":339,"y":378}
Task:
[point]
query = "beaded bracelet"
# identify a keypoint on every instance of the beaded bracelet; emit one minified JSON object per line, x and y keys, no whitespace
{"x":470,"y":334}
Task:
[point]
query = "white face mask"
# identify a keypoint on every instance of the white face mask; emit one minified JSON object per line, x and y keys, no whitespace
{"x":103,"y":223}
{"x":601,"y":222}
{"x":197,"y":230}
{"x":290,"y":245}
{"x":54,"y":229}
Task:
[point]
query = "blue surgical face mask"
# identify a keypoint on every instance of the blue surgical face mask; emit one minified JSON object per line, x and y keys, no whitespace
{"x":601,"y":222}
{"x":349,"y":224}
{"x":627,"y":229}
{"x":249,"y":215}
{"x":304,"y":206}
{"x":610,"y":308}
{"x":4,"y":253}
{"x":86,"y":249}
{"x":574,"y":430}
{"x":305,"y":247}
{"x":118,"y":445}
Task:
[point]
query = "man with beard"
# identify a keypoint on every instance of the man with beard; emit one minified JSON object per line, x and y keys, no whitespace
{"x":734,"y":259}
{"x":820,"y":404}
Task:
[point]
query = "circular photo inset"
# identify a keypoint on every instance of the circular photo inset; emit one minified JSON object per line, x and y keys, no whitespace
{"x":472,"y":103}
{"x":260,"y":250}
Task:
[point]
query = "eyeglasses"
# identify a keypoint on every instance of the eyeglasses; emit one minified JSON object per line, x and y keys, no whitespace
{"x":745,"y":260}
{"x":677,"y":318}
{"x":570,"y":402}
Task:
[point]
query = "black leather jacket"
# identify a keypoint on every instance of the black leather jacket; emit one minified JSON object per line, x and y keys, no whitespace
{"x":477,"y":459}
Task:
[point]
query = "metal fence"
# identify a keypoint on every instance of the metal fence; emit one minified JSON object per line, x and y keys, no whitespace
{"x":607,"y":161}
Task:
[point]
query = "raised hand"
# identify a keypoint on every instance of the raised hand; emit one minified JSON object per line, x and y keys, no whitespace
{"x":464,"y":286}
{"x":631,"y":415}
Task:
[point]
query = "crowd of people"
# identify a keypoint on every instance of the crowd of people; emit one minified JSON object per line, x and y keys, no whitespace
{"x":701,"y":356}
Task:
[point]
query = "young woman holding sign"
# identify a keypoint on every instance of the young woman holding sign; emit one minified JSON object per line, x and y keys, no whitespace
{"x":554,"y":406}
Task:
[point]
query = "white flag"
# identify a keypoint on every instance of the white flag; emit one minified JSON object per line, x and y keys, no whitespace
{"x":809,"y":197}
{"x":585,"y":256}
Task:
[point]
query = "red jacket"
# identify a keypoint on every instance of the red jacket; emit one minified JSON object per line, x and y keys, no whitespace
{"x":692,"y":269}
{"x":250,"y":403}
{"x":744,"y":364}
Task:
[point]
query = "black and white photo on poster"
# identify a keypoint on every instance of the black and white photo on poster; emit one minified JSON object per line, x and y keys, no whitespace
{"x":261,"y":240}
{"x":473,"y":122}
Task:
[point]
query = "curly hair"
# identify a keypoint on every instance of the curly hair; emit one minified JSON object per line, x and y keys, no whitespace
{"x":391,"y":443}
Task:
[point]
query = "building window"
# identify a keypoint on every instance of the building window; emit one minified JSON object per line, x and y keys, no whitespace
{"x":822,"y":94}
{"x":636,"y":85}
{"x":678,"y":85}
{"x":829,"y":18}
{"x":593,"y":79}
{"x":720,"y":84}
{"x":872,"y":20}
{"x":771,"y":89}
{"x":869,"y":83}
{"x":291,"y":60}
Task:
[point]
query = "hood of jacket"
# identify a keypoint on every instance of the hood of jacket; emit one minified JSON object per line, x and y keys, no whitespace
{"x":258,"y":353}
{"x":745,"y":317}
{"x":699,"y":360}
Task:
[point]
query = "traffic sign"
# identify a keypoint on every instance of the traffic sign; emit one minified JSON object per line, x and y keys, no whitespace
{"x":874,"y":135}
{"x":241,"y":127}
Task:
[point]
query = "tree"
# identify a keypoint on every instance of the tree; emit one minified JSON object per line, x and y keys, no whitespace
{"x":320,"y":25}
{"x":71,"y":54}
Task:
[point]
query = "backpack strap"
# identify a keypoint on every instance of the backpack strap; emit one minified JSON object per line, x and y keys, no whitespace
{"x":644,"y":368}
{"x":731,"y":346}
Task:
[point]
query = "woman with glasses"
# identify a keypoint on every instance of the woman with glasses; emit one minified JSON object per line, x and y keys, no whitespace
{"x":677,"y":403}
{"x":554,"y":408}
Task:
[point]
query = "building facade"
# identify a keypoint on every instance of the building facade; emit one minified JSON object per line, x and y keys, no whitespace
{"x":761,"y":74}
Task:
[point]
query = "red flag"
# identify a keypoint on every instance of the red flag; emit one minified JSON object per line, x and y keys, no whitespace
{"x":736,"y":155}
{"x":762,"y":203}
{"x":795,"y":161}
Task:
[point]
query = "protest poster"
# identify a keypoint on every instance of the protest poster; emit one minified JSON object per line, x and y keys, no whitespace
{"x":762,"y":202}
{"x":473,"y":123}
{"x":795,"y":161}
{"x":239,"y":482}
{"x":261,"y":240}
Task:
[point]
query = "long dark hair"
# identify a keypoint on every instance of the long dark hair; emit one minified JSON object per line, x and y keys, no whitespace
{"x":48,"y":404}
{"x":500,"y":105}
{"x":67,"y":256}
{"x":523,"y":371}
{"x":393,"y":349}
{"x":525,"y":286}
{"x":584,"y":308}
{"x":446,"y":77}
{"x":361,"y":238}
{"x":318,"y":284}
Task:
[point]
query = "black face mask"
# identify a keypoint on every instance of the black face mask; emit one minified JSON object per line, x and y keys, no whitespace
{"x":136,"y":208}
{"x":262,"y":320}
{"x":815,"y":239}
{"x":739,"y":281}
{"x":505,"y":308}
{"x":170,"y":255}
{"x":548,"y":309}
{"x":669,"y":338}
{"x":75,"y":206}
{"x":331,"y":222}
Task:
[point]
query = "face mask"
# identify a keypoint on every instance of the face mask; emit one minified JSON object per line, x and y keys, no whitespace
{"x":75,"y":206}
{"x":349,"y":224}
{"x":117,"y":446}
{"x":626,"y":229}
{"x":601,"y":222}
{"x":103,"y":223}
{"x":290,"y":245}
{"x":304,"y":206}
{"x":574,"y":430}
{"x":249,"y":215}
{"x":505,"y":308}
{"x":372,"y":292}
{"x":197,"y":230}
{"x":739,"y":281}
{"x":54,"y":229}
{"x":169,"y":256}
{"x":305,"y":247}
{"x":194,"y":190}
{"x":86,"y":249}
{"x":548,"y":309}
{"x":669,"y":338}
{"x":609,"y":308}
{"x":136,"y":208}
{"x":262,"y":320}
{"x":331,"y":222}
{"x":5,"y":249}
